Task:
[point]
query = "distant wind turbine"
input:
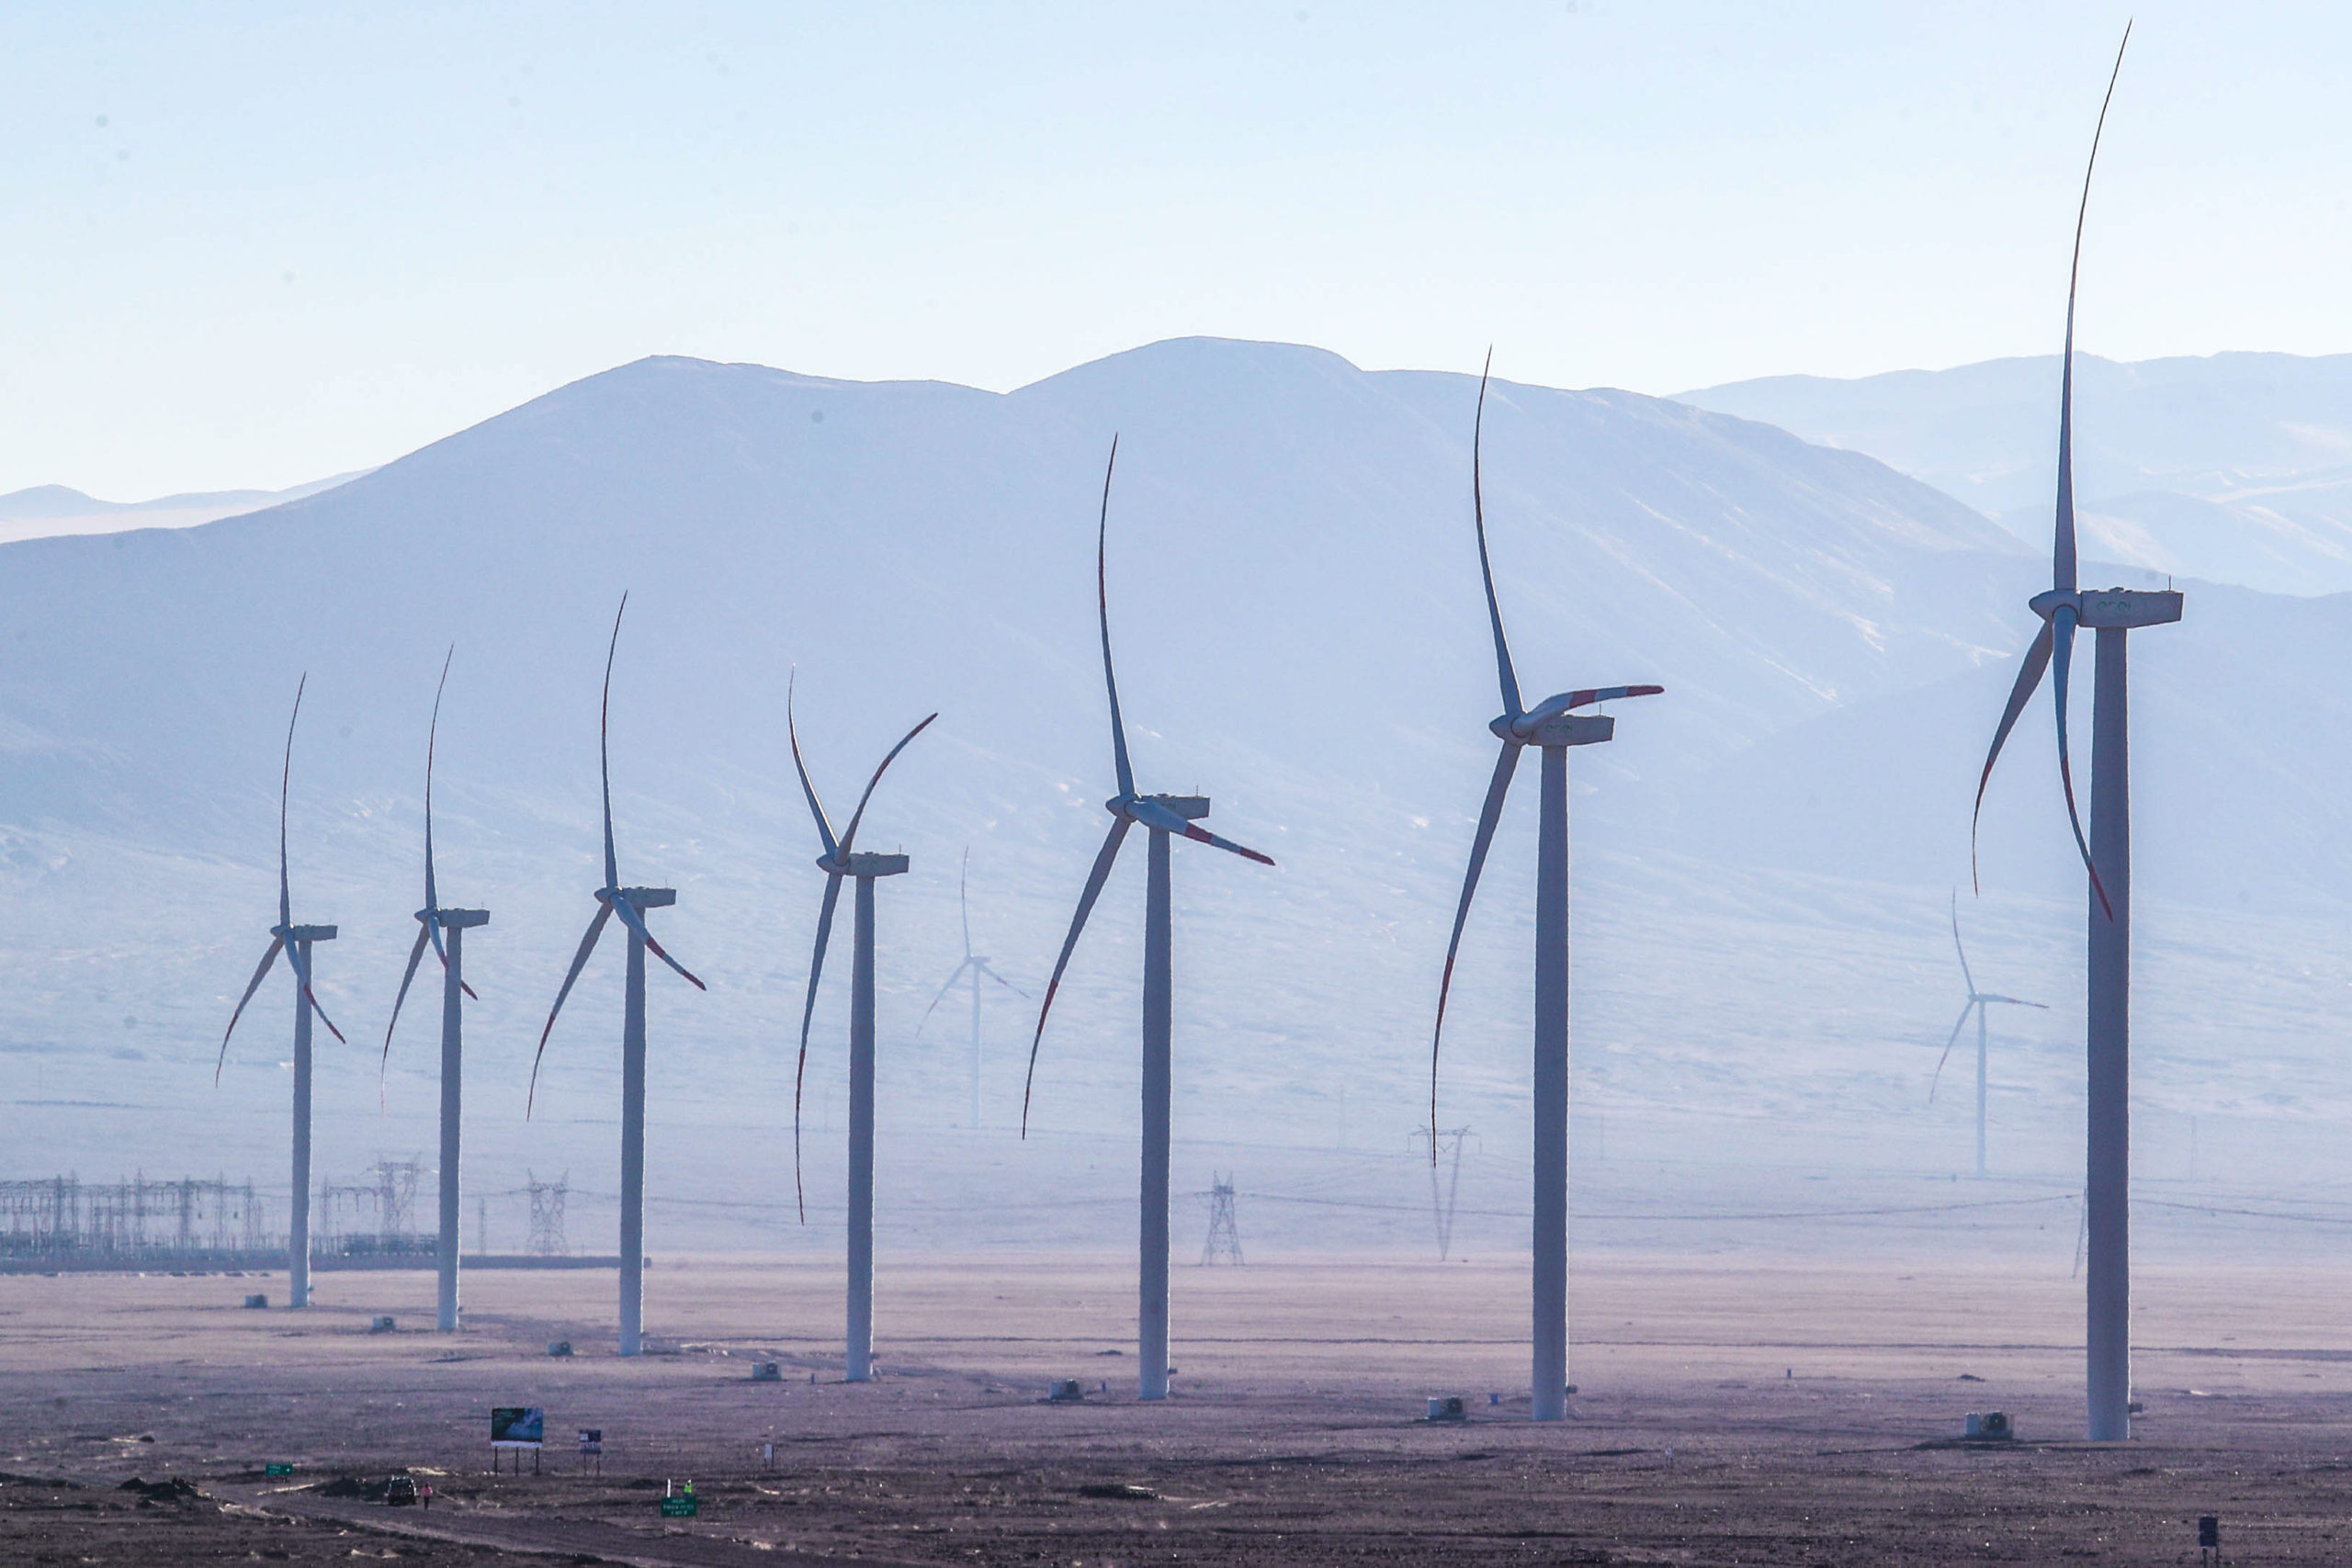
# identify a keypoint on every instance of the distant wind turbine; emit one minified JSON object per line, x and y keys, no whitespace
{"x":1979,"y":1003}
{"x":974,"y":968}
{"x":445,"y":931}
{"x":1552,"y":726}
{"x":630,"y":904}
{"x":296,"y":942}
{"x":1164,"y":815}
{"x":840,"y":860}
{"x":2107,"y":857}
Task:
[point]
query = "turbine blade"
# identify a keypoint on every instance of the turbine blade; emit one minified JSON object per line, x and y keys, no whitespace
{"x":2015,"y":1002}
{"x":432,"y":890}
{"x":2062,"y":555}
{"x":1593,"y":694}
{"x":261,"y":971}
{"x":816,"y":806}
{"x":579,"y":962}
{"x":1948,"y":1045}
{"x":1094,"y":880}
{"x":303,"y":973}
{"x":285,"y":787}
{"x":1103,"y":603}
{"x":1969,"y":978}
{"x":604,"y":748}
{"x":415,"y":956}
{"x":634,"y":921}
{"x":1489,"y":815}
{"x":2061,"y":625}
{"x":2037,"y":660}
{"x":850,"y":836}
{"x":809,"y":1011}
{"x":1154,"y":815}
{"x":1002,"y":980}
{"x":1486,"y":570}
{"x":961,"y":970}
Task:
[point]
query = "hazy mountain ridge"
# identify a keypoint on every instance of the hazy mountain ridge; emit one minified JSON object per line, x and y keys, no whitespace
{"x":1297,"y":614}
{"x":2230,"y":466}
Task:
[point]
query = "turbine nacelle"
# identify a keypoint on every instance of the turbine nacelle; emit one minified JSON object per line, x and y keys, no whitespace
{"x":1190,"y":807}
{"x":861,"y":862}
{"x":1552,"y":721}
{"x":2113,"y":608}
{"x":454,"y":920}
{"x":291,"y":934}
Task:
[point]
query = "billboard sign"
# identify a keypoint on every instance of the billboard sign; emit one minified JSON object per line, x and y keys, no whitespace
{"x":592,"y":1440}
{"x":517,"y":1427}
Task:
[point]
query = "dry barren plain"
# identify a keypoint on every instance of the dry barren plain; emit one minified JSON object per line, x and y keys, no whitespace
{"x":1726,"y":1413}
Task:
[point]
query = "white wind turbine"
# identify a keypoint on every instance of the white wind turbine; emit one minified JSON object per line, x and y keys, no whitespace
{"x":1979,"y":1003}
{"x":974,"y":968}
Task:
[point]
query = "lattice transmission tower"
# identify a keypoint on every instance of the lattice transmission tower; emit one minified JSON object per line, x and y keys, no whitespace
{"x":547,"y":1214}
{"x":1223,"y":1244}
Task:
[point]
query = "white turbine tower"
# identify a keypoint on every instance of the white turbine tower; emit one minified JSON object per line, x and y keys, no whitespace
{"x":2106,"y":856}
{"x":1166,"y":817}
{"x":841,"y":859}
{"x":974,"y":968}
{"x":1979,"y":1003}
{"x":630,"y":904}
{"x":1552,"y":725}
{"x":296,"y":943}
{"x":445,"y":931}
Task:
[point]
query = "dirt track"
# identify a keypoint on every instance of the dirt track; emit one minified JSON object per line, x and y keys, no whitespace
{"x":1726,"y":1413}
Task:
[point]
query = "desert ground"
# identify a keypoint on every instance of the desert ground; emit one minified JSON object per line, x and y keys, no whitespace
{"x":1726,"y":1413}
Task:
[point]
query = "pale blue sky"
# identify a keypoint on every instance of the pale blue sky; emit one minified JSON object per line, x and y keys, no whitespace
{"x":254,"y":244}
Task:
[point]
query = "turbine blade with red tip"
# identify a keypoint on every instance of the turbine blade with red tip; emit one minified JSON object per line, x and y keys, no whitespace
{"x":1154,"y":815}
{"x":432,"y":888}
{"x":1593,"y":694}
{"x":2037,"y":660}
{"x":1497,"y":787}
{"x":261,"y":971}
{"x":634,"y":920}
{"x":1967,"y":978}
{"x":571,"y":976}
{"x":1094,"y":881}
{"x":285,"y":788}
{"x":303,"y":973}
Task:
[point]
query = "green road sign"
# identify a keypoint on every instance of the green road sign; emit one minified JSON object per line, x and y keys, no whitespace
{"x":277,"y":1470}
{"x":679,"y":1508}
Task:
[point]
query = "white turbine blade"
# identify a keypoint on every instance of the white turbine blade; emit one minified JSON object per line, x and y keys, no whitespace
{"x":2015,"y":1002}
{"x":961,"y":970}
{"x":261,"y":971}
{"x":809,"y":1011}
{"x":604,"y":748}
{"x":2037,"y":660}
{"x":415,"y":957}
{"x":635,"y":921}
{"x":1151,"y":813}
{"x":579,"y":962}
{"x":1103,"y":603}
{"x":849,"y":836}
{"x":1094,"y":880}
{"x":982,"y":965}
{"x":1969,"y":978}
{"x":1948,"y":1043}
{"x":1489,"y":814}
{"x":303,"y":973}
{"x":1510,"y":678}
{"x":816,"y":806}
{"x":285,"y":788}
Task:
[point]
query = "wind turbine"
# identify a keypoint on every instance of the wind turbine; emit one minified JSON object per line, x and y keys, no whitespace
{"x":630,"y":904}
{"x":1979,"y":1003}
{"x":296,"y":943}
{"x":1552,"y":726}
{"x":975,"y":967}
{"x":1164,"y":815}
{"x":445,"y":931}
{"x":2106,"y":856}
{"x":840,"y":860}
